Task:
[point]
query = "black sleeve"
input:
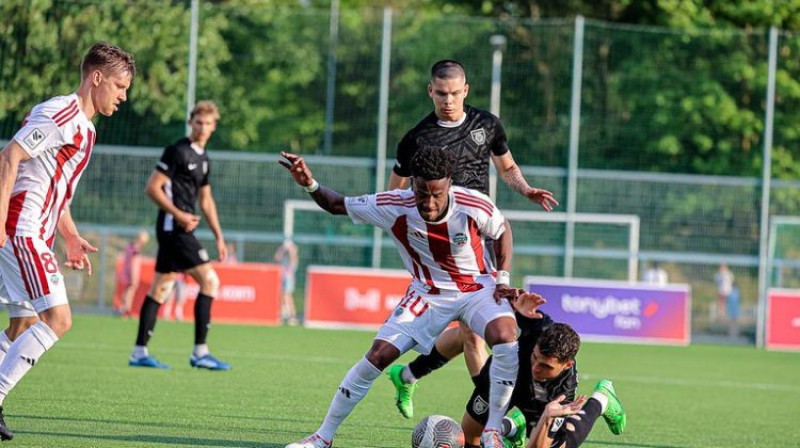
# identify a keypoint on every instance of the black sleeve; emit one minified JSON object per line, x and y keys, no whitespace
{"x":532,"y":328}
{"x":405,"y":150}
{"x":169,"y":161}
{"x":207,"y":173}
{"x":499,"y":144}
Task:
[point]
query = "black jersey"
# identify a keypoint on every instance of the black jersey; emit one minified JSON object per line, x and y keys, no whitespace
{"x":529,"y":396}
{"x":473,"y":142}
{"x":532,"y":396}
{"x":188,"y":171}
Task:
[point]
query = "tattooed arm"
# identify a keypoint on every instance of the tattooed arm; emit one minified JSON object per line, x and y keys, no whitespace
{"x":509,"y":171}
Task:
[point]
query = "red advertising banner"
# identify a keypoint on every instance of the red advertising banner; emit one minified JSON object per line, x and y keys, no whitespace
{"x":352,"y":297}
{"x":783,"y":319}
{"x":248,"y":293}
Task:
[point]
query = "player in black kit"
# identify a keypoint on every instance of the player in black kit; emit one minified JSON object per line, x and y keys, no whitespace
{"x":180,"y":181}
{"x":476,"y":137}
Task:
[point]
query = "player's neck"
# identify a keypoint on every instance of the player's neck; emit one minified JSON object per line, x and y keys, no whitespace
{"x":85,"y":103}
{"x":448,"y":122}
{"x":197,"y":141}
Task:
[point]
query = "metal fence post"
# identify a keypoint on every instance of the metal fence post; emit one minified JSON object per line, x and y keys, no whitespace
{"x":327,"y":146}
{"x":191,"y":83}
{"x":383,"y":126}
{"x":574,"y":135}
{"x":766,"y":185}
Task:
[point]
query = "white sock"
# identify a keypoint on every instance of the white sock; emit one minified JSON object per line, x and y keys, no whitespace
{"x":139,"y":352}
{"x":353,"y":389}
{"x":503,"y":375}
{"x":407,"y":376}
{"x":200,"y":350}
{"x":5,"y":343}
{"x":23,"y":354}
{"x":602,"y":399}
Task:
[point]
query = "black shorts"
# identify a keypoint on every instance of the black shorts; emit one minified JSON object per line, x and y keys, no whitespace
{"x":478,"y":404}
{"x":178,"y":251}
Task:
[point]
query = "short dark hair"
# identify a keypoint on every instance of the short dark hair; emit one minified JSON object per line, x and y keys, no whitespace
{"x":559,"y":341}
{"x":105,"y":56}
{"x":448,"y":69}
{"x":433,"y":163}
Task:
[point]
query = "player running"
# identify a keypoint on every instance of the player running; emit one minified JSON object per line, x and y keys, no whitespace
{"x":438,"y":230}
{"x":39,"y":172}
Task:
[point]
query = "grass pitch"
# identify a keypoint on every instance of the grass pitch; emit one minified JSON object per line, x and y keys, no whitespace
{"x":83,"y":394}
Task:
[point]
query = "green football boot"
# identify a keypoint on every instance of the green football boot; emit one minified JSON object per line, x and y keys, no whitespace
{"x":615,"y":413}
{"x":519,"y":439}
{"x":403,"y":391}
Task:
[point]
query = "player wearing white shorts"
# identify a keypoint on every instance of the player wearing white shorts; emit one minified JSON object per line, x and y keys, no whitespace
{"x":438,"y":229}
{"x":39,"y":172}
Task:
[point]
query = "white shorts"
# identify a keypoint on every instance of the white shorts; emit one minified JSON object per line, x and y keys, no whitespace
{"x":420,"y":318}
{"x":30,"y":274}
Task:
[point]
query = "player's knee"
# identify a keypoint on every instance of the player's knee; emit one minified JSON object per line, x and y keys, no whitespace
{"x":210,"y":283}
{"x":162,"y":291}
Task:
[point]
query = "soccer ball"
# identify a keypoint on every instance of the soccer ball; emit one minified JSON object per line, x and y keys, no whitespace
{"x":437,"y":431}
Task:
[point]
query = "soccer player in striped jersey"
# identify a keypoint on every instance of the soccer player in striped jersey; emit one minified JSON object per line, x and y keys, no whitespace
{"x":438,"y":229}
{"x":475,"y":137}
{"x":39,"y":173}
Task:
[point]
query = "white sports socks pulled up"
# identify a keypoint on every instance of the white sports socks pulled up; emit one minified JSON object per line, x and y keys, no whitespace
{"x":23,"y":354}
{"x":5,"y":343}
{"x":503,"y":375}
{"x":353,"y":389}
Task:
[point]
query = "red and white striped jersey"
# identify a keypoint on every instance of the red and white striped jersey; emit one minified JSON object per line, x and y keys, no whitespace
{"x":59,"y":139}
{"x":443,"y":255}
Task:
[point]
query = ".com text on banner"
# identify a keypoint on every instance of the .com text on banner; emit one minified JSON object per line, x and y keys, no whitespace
{"x":602,"y":310}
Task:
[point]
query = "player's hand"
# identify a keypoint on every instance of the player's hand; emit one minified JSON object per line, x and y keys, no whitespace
{"x":542,"y":197}
{"x":528,"y":303}
{"x":222,"y":250}
{"x":78,"y":250}
{"x":298,"y":168}
{"x":187,"y":221}
{"x":556,"y":409}
{"x":505,"y":292}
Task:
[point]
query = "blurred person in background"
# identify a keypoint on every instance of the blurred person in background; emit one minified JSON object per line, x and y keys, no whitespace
{"x":724,"y":279}
{"x":655,"y":275}
{"x":287,"y":256}
{"x":131,"y":269}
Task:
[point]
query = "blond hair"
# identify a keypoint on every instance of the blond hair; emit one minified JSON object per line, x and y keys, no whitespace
{"x":205,"y":108}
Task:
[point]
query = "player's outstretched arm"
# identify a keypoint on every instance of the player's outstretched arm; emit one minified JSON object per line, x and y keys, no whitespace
{"x":509,"y":171}
{"x":328,"y":200}
{"x":10,"y":157}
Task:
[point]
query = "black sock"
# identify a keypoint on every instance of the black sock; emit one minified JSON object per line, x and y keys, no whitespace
{"x":576,"y":428}
{"x":425,"y":364}
{"x":202,"y":317}
{"x":147,"y":320}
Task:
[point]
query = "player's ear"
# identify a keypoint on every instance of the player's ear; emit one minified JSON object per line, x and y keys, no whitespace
{"x":466,"y":90}
{"x":430,"y":90}
{"x":97,"y":77}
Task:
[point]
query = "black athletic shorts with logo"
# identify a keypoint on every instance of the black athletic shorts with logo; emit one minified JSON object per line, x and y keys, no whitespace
{"x":178,"y":251}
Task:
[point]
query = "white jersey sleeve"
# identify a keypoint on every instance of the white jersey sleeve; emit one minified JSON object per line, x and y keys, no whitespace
{"x":487,"y":216}
{"x":39,"y":133}
{"x":364,"y":209}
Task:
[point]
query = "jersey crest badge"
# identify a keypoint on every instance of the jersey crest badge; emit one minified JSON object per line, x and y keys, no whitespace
{"x":478,"y":135}
{"x":33,"y":138}
{"x":460,"y":239}
{"x":480,"y":406}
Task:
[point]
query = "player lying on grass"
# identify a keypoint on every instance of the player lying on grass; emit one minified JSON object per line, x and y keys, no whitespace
{"x":547,"y":371}
{"x":438,"y":230}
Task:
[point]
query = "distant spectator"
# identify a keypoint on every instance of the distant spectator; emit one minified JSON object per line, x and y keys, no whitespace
{"x":287,"y":256}
{"x":724,"y":279}
{"x":232,"y":258}
{"x":656,"y":275}
{"x":732,"y":311}
{"x":131,"y":268}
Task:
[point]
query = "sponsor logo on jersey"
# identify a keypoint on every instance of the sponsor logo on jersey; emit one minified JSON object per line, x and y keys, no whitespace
{"x":478,"y":135}
{"x":192,"y":166}
{"x":33,"y":138}
{"x":480,"y":406}
{"x":460,"y":239}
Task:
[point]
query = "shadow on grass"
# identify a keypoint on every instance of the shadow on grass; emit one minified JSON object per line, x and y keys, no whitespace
{"x":161,"y":440}
{"x":630,"y":444}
